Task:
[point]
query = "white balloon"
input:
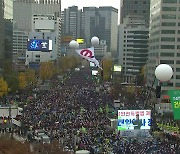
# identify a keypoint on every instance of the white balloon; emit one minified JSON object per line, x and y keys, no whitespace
{"x":74,"y":45}
{"x":163,"y":72}
{"x":94,"y":41}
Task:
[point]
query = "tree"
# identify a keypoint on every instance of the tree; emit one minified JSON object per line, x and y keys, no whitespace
{"x":131,"y":89}
{"x":141,"y":78}
{"x":107,"y":69}
{"x":3,"y":87}
{"x":10,"y":76}
{"x":13,"y":81}
{"x":68,"y":62}
{"x":22,"y":80}
{"x":30,"y":77}
{"x":47,"y":70}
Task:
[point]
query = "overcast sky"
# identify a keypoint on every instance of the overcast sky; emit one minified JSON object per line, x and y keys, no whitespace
{"x":87,"y":3}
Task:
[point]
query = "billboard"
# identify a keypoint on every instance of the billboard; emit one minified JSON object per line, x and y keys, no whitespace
{"x":80,"y":40}
{"x":117,"y":68}
{"x":39,"y":45}
{"x":134,"y":119}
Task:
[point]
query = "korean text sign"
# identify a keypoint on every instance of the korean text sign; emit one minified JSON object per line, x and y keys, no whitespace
{"x":131,"y":119}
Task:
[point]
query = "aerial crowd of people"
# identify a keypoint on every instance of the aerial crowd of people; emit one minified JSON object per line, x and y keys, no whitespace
{"x":74,"y":113}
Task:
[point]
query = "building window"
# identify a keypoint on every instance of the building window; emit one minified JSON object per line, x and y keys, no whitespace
{"x":144,"y":2}
{"x":177,"y":84}
{"x":167,"y":47}
{"x":168,"y":24}
{"x":37,"y":55}
{"x":178,"y":54}
{"x":168,"y":31}
{"x":144,"y":11}
{"x":167,"y":39}
{"x":168,"y":16}
{"x":135,"y":11}
{"x":135,"y":2}
{"x":177,"y":76}
{"x":177,"y":69}
{"x":169,"y":8}
{"x":166,"y":84}
{"x":178,"y":62}
{"x":167,"y":54}
{"x":167,"y":61}
{"x":169,"y":1}
{"x":178,"y":46}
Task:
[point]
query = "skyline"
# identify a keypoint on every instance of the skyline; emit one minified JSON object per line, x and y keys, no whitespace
{"x":86,"y":3}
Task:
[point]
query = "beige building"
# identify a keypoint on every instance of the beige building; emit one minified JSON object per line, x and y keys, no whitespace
{"x":164,"y":42}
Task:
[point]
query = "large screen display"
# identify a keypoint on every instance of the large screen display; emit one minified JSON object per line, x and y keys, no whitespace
{"x":39,"y":45}
{"x":134,"y":119}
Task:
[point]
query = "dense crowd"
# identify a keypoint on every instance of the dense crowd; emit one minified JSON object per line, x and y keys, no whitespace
{"x":75,"y":113}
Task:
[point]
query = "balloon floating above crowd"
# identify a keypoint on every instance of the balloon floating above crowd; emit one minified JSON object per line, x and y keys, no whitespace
{"x":95,"y":41}
{"x":163,"y":72}
{"x":74,"y":45}
{"x":87,"y":53}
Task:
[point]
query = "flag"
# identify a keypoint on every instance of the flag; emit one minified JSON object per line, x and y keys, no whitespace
{"x":88,"y":54}
{"x":83,"y":130}
{"x":100,"y":110}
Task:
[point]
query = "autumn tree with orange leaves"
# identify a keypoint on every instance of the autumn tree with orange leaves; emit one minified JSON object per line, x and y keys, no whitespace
{"x":3,"y":87}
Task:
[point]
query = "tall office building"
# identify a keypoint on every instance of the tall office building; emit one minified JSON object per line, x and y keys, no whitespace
{"x":24,"y":14}
{"x":135,"y":7}
{"x":164,"y":42}
{"x":133,"y":46}
{"x":1,"y":34}
{"x":6,"y":30}
{"x":72,"y":21}
{"x":25,"y":9}
{"x":103,"y":23}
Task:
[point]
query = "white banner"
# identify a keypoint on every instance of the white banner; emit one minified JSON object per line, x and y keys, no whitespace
{"x":134,"y":119}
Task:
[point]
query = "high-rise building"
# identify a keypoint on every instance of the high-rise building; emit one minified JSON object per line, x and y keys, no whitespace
{"x":135,"y":7}
{"x":71,"y":22}
{"x":164,"y":42}
{"x":103,"y":23}
{"x":47,"y":31}
{"x":25,"y":9}
{"x":133,"y":46}
{"x":6,"y":30}
{"x":25,"y":12}
{"x":1,"y":34}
